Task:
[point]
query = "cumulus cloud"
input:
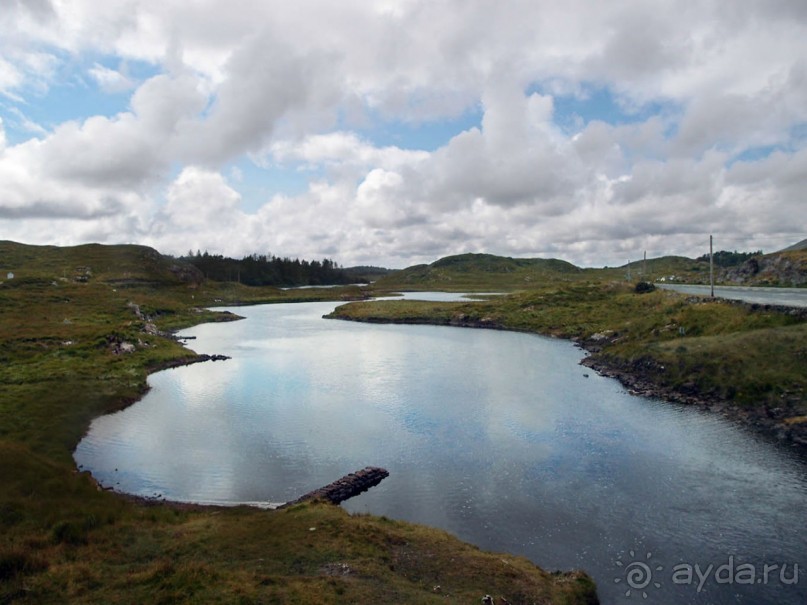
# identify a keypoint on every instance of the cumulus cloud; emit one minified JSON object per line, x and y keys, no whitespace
{"x":266,"y":83}
{"x":302,"y":88}
{"x":201,"y":210}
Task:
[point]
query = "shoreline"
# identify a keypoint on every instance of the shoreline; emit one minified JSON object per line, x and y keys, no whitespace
{"x":767,"y":423}
{"x":334,"y":493}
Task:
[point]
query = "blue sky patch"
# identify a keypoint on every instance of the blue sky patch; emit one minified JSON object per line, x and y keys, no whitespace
{"x":754,"y":154}
{"x":425,"y":136}
{"x":74,"y":95}
{"x":257,"y":185}
{"x":573,"y":112}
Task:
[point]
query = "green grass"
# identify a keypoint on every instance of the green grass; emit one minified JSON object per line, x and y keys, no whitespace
{"x":63,"y":319}
{"x":761,"y":367}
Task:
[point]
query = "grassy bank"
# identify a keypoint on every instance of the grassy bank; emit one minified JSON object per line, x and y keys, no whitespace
{"x":744,"y":358}
{"x":80,"y":329}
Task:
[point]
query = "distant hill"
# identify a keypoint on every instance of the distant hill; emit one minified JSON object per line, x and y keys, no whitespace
{"x":366,"y":274}
{"x":490,"y":272}
{"x":489,"y":263}
{"x":119,"y":265}
{"x":802,"y":245}
{"x":479,"y":271}
{"x":668,"y":268}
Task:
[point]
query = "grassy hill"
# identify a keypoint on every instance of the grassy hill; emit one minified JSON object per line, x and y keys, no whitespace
{"x":486,"y":272}
{"x":802,"y":245}
{"x":64,"y":318}
{"x":120,"y":265}
{"x":479,"y":272}
{"x":366,"y":274}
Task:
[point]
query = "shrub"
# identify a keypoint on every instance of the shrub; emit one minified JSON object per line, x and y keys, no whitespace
{"x":69,"y":532}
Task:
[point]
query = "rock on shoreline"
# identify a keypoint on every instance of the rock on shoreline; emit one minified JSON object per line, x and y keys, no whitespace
{"x":345,"y":488}
{"x":186,"y":361}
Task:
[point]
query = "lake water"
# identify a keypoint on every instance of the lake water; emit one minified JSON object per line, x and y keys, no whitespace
{"x":500,"y":438}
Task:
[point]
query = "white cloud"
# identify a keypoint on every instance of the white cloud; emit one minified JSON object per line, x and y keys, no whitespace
{"x":34,"y":188}
{"x":25,"y":123}
{"x":110,"y":80}
{"x":200,"y":206}
{"x":10,"y":76}
{"x":286,"y":84}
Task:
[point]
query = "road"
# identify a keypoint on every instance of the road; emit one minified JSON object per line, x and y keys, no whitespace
{"x":788,"y":297}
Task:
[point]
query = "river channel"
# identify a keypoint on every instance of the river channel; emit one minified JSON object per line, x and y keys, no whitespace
{"x":501,"y":438}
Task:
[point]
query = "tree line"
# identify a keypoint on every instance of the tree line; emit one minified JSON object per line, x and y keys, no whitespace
{"x":724,"y":258}
{"x":270,"y":270}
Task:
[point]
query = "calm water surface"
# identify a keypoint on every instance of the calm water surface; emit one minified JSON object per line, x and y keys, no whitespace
{"x":500,"y":438}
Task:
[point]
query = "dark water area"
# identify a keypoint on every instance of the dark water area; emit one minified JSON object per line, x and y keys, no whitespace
{"x":500,"y":438}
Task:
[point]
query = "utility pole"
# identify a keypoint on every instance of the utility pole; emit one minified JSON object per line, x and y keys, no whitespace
{"x":711,"y":268}
{"x":644,"y":267}
{"x":629,"y":270}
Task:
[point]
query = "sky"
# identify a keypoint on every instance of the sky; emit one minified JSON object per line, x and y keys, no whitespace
{"x":396,"y":132}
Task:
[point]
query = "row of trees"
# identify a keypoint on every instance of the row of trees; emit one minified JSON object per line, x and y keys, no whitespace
{"x":724,"y":258}
{"x":265,"y":270}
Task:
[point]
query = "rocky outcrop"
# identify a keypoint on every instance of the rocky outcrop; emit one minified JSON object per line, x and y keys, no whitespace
{"x":186,"y":272}
{"x":345,"y":488}
{"x":781,"y":269}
